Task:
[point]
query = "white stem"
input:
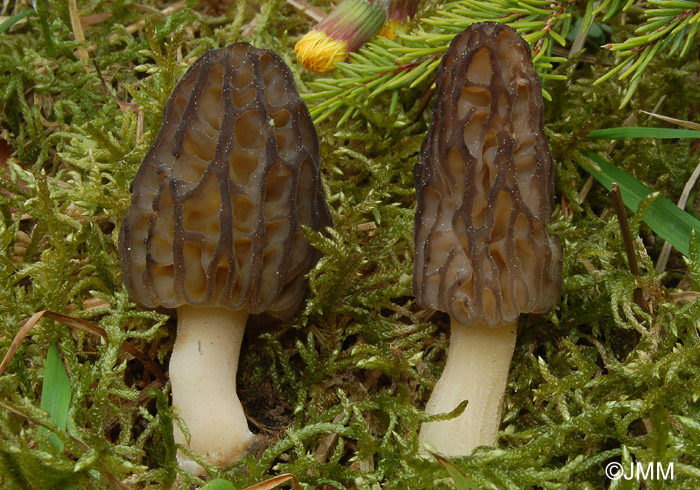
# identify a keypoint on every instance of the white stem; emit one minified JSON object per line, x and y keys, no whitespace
{"x":203,"y":378}
{"x":476,"y":370}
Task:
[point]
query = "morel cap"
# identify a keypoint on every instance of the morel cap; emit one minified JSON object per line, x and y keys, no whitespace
{"x":221,"y":196}
{"x":485,"y":186}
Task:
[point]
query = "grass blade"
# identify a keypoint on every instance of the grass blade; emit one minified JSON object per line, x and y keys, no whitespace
{"x":665,"y":218}
{"x":462,"y":481}
{"x":219,"y":484}
{"x":634,"y":132}
{"x":14,"y":19}
{"x":56,"y":392}
{"x":269,"y":484}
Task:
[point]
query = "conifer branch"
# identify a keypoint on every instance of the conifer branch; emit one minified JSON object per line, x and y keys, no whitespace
{"x":671,"y":26}
{"x":410,"y":60}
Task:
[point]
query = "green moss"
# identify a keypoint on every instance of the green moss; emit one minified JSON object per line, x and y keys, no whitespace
{"x":336,"y":394}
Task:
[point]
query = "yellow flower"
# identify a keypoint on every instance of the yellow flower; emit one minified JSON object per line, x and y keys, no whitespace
{"x":400,"y":13}
{"x":318,"y":52}
{"x":344,"y":30}
{"x":389,"y":29}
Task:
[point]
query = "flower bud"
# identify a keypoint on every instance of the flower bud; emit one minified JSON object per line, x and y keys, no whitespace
{"x":344,"y":30}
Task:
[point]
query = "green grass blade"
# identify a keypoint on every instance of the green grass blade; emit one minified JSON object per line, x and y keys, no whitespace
{"x":56,"y":392}
{"x":665,"y":218}
{"x":633,"y":132}
{"x":14,"y":19}
{"x":219,"y":484}
{"x":462,"y":481}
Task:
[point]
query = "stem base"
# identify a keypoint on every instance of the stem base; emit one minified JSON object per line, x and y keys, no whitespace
{"x":203,"y":370}
{"x":476,"y":370}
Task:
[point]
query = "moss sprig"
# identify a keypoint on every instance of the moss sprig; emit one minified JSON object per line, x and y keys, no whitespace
{"x":337,"y":393}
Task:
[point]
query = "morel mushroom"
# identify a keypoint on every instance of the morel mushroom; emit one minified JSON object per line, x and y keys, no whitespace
{"x":482,"y":254}
{"x":214,"y":230}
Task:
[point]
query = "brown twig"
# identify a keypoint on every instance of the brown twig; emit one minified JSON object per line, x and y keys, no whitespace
{"x":78,"y":33}
{"x":314,"y":12}
{"x":123,"y":106}
{"x":425,"y":99}
{"x":682,"y":201}
{"x":625,"y":228}
{"x":619,"y":206}
{"x":32,"y":321}
{"x":140,"y":400}
{"x":137,"y":26}
{"x":276,"y":481}
{"x":680,"y":122}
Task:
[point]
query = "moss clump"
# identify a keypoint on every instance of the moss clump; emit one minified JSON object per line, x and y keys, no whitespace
{"x":337,"y":393}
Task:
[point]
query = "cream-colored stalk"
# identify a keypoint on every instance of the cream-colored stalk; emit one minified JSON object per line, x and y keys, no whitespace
{"x":476,"y":370}
{"x":203,"y":377}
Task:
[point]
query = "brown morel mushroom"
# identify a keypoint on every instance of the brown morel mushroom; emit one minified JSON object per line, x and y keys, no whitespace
{"x":482,"y":254}
{"x":214,"y":230}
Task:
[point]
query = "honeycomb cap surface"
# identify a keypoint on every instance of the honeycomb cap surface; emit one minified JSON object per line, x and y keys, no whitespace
{"x":485,"y":186}
{"x":220,"y":198}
